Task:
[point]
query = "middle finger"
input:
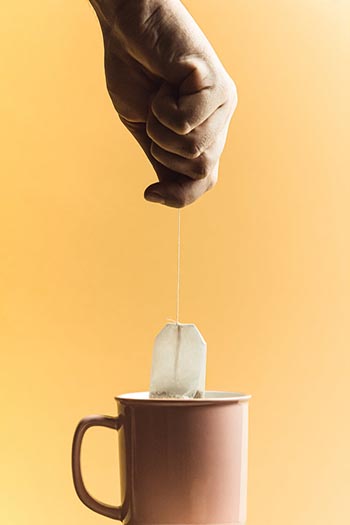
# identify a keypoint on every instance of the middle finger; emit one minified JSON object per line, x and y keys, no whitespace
{"x":193,"y":144}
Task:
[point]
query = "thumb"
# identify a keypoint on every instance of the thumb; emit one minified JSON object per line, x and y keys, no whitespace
{"x":173,"y":189}
{"x":176,"y":192}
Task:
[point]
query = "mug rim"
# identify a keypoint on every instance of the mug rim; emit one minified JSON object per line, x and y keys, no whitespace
{"x":211,"y":396}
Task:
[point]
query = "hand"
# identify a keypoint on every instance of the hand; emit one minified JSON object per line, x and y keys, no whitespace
{"x":171,"y":92}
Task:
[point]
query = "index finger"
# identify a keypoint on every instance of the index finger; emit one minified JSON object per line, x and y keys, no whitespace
{"x":183,"y":109}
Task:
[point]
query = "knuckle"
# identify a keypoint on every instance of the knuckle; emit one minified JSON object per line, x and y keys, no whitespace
{"x":211,"y":184}
{"x":232,"y":93}
{"x":202,"y":167}
{"x":175,"y":123}
{"x":176,"y":120}
{"x":180,"y":125}
{"x":212,"y":180}
{"x":193,"y":148}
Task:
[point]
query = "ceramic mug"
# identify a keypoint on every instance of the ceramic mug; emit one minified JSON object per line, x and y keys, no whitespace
{"x":181,"y":461}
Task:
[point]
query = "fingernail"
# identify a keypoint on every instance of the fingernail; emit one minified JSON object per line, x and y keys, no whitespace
{"x":155,"y":197}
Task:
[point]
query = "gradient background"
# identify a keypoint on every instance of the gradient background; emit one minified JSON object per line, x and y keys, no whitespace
{"x":88,"y":268}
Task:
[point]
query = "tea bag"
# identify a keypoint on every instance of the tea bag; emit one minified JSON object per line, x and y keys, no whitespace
{"x":179,"y":362}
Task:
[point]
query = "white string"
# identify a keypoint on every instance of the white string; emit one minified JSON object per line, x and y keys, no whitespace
{"x":178,"y":267}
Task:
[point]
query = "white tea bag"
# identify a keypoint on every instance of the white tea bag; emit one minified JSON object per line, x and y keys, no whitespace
{"x":179,"y":362}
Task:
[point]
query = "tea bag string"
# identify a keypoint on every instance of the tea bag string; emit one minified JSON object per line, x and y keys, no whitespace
{"x":178,"y":265}
{"x":177,"y":321}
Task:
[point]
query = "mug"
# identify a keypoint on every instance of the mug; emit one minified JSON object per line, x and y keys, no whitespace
{"x":182,"y":461}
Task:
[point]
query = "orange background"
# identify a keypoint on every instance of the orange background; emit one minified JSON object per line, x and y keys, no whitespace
{"x":88,"y":268}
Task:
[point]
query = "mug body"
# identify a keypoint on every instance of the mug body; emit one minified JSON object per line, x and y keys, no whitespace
{"x":183,"y":461}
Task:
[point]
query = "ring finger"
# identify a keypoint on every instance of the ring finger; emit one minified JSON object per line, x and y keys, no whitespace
{"x":197,"y":168}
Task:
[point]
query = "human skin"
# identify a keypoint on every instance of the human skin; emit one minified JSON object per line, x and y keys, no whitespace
{"x":171,"y":92}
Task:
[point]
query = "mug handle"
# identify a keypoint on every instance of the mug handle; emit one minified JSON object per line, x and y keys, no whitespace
{"x":93,"y":504}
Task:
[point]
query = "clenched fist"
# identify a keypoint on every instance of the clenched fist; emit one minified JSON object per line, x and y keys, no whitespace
{"x":171,"y":92}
